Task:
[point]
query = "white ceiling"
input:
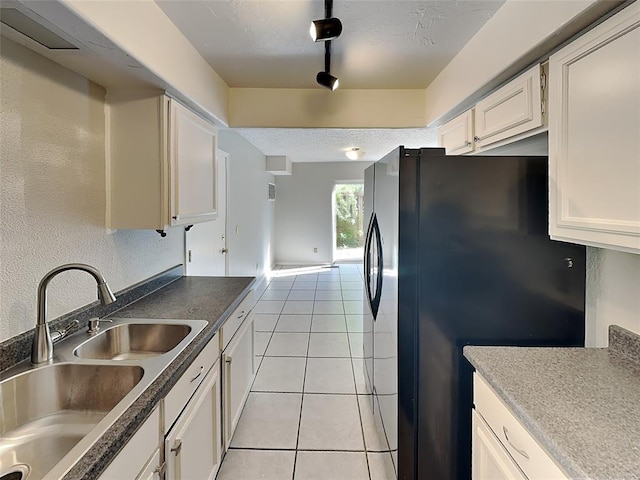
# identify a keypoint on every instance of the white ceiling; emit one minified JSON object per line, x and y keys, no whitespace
{"x":330,"y":144}
{"x":385,"y":44}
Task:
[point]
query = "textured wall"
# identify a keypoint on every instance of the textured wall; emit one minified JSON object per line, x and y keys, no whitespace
{"x":248,"y":207}
{"x":613,"y":293}
{"x":303,"y":218}
{"x":52,"y":200}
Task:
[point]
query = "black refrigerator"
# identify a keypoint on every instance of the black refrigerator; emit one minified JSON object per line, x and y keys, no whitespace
{"x":457,"y":253}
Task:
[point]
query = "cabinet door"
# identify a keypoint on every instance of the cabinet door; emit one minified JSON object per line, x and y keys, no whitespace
{"x":457,"y":135}
{"x":193,"y":167}
{"x":151,"y":470}
{"x":193,"y":448}
{"x":594,"y":136}
{"x":490,"y":461}
{"x":239,"y":370}
{"x":511,"y":110}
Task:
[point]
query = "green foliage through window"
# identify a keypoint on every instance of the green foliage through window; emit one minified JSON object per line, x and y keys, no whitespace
{"x":349,"y":215}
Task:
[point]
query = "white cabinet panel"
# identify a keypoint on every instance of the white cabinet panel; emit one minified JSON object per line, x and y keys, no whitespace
{"x":235,"y":320}
{"x":528,"y":454}
{"x":239,"y":371}
{"x":193,"y":449}
{"x":193,"y":167}
{"x":456,"y":136}
{"x":511,"y":110}
{"x":185,"y":387}
{"x":140,"y":454}
{"x":490,"y":461}
{"x":594,"y":136}
{"x":161,"y":163}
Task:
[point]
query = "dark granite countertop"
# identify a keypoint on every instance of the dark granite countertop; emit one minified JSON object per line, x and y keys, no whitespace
{"x":189,"y":298}
{"x":581,"y":404}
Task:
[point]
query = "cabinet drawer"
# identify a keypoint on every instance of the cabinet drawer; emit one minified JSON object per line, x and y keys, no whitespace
{"x":182,"y":391}
{"x":532,"y":459}
{"x":138,"y":451}
{"x":234,"y":321}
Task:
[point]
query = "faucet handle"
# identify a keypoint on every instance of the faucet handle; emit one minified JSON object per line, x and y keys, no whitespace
{"x":60,"y":334}
{"x":94,"y":325}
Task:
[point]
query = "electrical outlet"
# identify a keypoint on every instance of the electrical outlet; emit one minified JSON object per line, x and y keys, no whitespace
{"x":257,"y":267}
{"x":315,"y":249}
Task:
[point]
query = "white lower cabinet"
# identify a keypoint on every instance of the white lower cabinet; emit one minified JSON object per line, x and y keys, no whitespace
{"x":502,"y":447}
{"x":140,"y":458}
{"x":490,"y":459}
{"x":238,"y":373}
{"x":193,"y":447}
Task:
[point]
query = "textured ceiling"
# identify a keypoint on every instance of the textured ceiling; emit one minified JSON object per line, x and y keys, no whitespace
{"x":384,"y":43}
{"x":330,"y":145}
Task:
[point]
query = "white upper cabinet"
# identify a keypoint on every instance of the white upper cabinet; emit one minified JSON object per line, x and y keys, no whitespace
{"x":511,"y":110}
{"x":594,"y":136}
{"x":456,"y":136}
{"x":161,"y":161}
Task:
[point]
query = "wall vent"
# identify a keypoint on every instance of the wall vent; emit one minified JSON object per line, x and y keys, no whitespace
{"x":272,"y":192}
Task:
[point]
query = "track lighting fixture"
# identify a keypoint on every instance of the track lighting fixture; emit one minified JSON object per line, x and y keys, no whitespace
{"x":325,"y":29}
{"x":327,"y":80}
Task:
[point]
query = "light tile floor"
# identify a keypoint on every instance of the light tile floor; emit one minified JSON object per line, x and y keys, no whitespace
{"x":307,"y":416}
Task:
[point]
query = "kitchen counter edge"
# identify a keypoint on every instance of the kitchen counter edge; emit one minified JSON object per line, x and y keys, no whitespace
{"x":95,"y":461}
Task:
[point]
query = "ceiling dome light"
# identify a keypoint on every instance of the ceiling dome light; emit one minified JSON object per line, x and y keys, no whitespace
{"x":354,"y":154}
{"x":325,"y":29}
{"x":327,"y":80}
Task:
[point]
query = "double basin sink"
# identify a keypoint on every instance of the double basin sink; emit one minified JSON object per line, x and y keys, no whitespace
{"x":51,"y":415}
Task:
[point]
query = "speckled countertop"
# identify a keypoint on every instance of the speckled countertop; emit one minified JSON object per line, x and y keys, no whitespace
{"x":581,"y":404}
{"x":188,"y":298}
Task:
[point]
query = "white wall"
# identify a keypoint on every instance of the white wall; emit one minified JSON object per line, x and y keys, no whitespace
{"x":613,"y":293}
{"x":303,"y":217}
{"x":251,"y":248}
{"x":52,"y":200}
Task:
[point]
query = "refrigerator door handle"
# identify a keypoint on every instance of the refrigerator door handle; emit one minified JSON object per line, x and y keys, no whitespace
{"x":367,"y":260}
{"x":373,"y":298}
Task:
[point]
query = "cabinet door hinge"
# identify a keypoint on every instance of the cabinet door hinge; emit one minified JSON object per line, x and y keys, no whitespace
{"x":543,"y":81}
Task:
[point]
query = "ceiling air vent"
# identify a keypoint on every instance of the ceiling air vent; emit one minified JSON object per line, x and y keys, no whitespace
{"x":272,"y":192}
{"x":30,"y":28}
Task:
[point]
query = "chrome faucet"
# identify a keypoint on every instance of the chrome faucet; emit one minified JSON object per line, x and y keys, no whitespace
{"x":43,"y":341}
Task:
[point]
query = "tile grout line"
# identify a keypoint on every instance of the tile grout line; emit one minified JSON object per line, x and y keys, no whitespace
{"x":304,"y":379}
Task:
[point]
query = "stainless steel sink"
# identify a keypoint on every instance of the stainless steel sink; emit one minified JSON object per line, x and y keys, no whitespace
{"x":48,"y":410}
{"x":51,"y":415}
{"x":133,"y":341}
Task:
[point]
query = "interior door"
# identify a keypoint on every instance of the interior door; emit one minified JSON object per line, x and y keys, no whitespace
{"x":206,"y":243}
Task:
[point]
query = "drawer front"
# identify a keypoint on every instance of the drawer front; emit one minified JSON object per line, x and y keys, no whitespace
{"x":140,"y":449}
{"x":532,"y":459}
{"x":231,"y":326}
{"x":489,"y":459}
{"x":182,"y":391}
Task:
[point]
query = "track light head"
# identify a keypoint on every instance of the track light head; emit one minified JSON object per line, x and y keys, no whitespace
{"x":325,"y":29}
{"x":327,"y":80}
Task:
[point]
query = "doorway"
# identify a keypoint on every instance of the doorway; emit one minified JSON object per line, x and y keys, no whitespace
{"x":348,"y":221}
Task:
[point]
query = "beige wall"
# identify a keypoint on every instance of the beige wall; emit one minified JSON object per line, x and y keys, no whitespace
{"x":52,"y":200}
